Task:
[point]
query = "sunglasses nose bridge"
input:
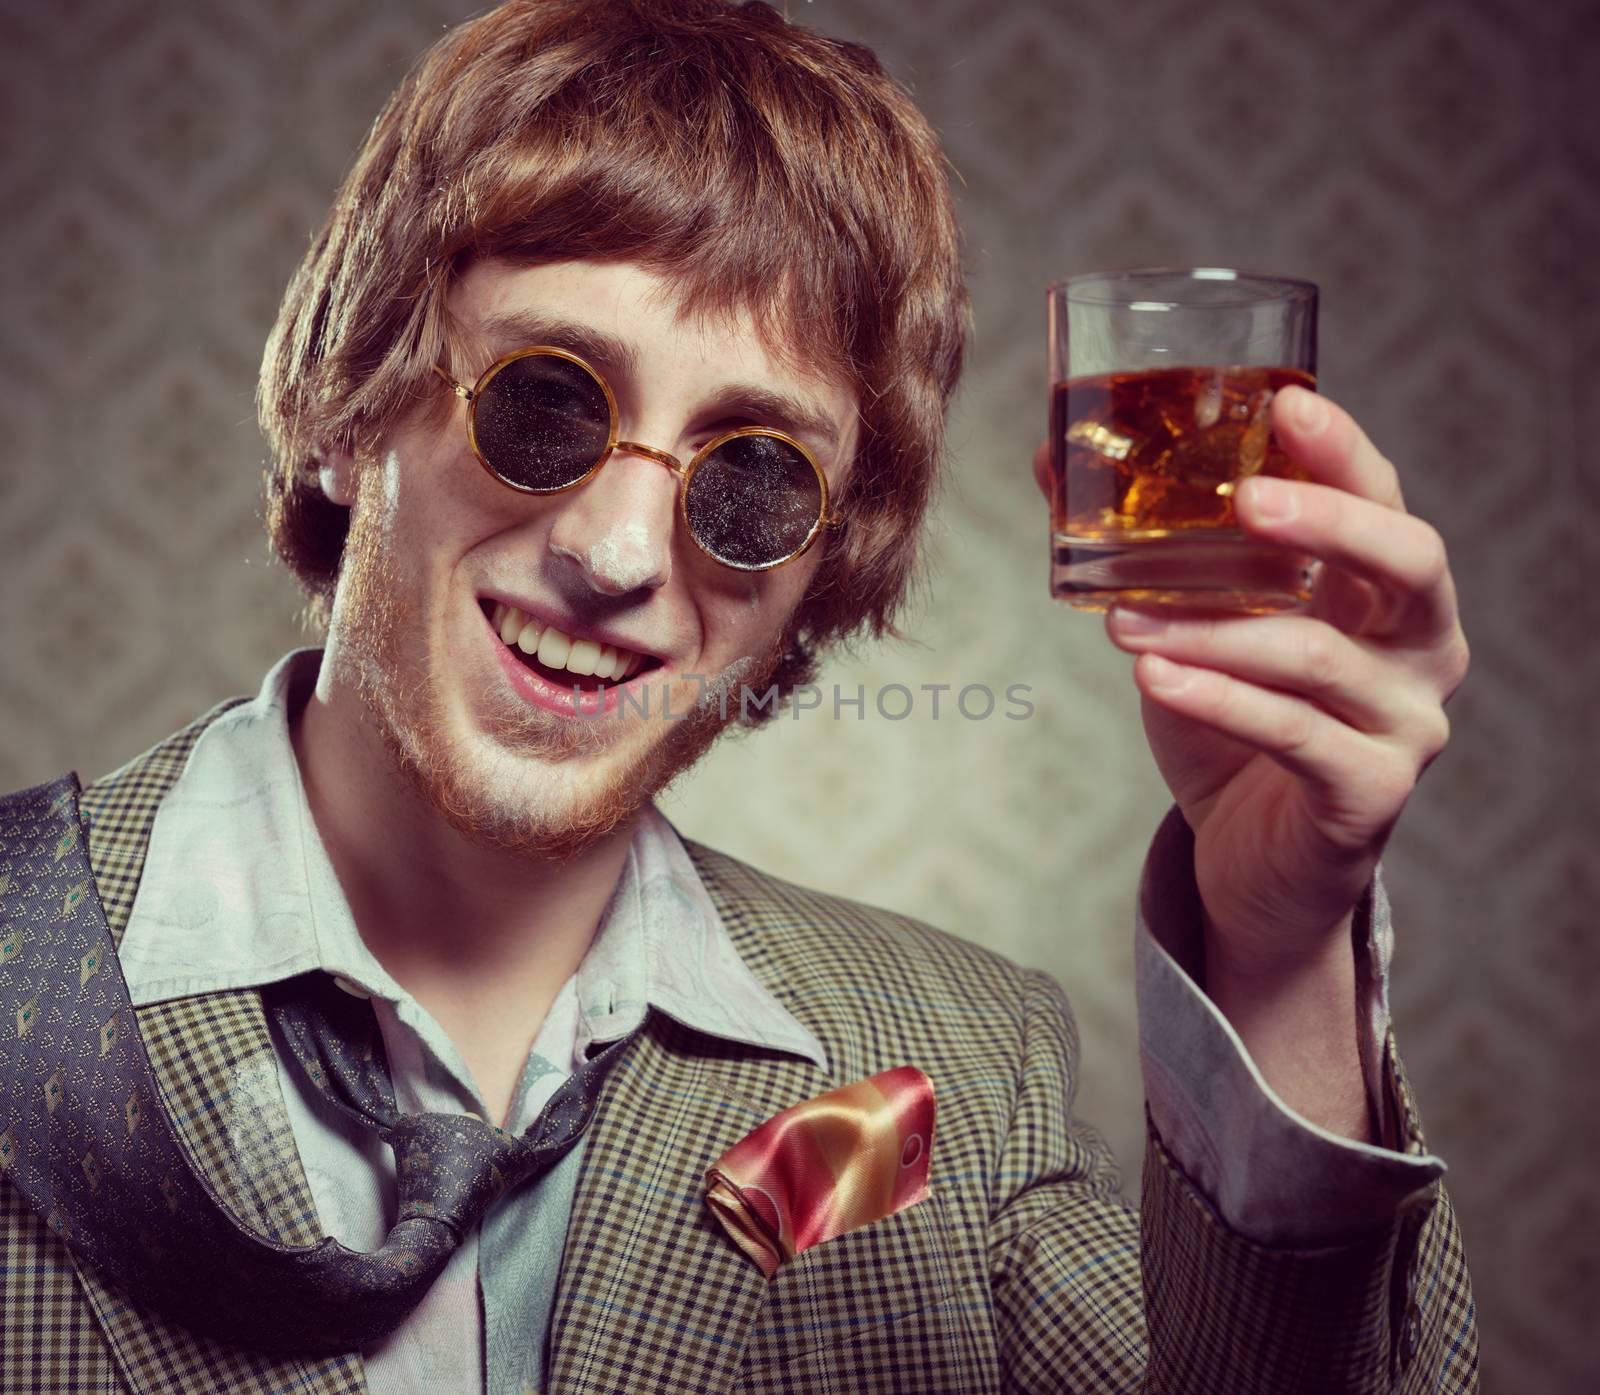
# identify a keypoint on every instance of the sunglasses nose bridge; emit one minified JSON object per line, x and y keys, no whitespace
{"x":661,"y":457}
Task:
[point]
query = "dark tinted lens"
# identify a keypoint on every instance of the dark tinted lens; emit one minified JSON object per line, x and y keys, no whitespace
{"x":753,"y":501}
{"x":542,"y":422}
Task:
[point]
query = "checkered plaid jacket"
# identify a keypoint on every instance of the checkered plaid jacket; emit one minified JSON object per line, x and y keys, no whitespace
{"x":1022,"y":1272}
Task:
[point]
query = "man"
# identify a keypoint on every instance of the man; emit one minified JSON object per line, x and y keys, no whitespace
{"x":620,"y":366}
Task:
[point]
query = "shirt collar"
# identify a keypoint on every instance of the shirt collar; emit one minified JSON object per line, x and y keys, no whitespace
{"x":237,"y":891}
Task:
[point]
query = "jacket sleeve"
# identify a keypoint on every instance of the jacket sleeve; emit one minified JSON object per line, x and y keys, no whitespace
{"x":1387,"y":1309}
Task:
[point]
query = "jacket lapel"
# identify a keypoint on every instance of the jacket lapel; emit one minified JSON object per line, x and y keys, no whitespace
{"x":652,"y":1294}
{"x":214,"y":1062}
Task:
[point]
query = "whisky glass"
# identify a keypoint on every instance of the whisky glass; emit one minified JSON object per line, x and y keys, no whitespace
{"x":1161,"y":384}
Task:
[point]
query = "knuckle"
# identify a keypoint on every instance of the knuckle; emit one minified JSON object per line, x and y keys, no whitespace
{"x":1296,"y":727}
{"x":1320,"y":661}
{"x":1433,"y":734}
{"x":1433,"y":558}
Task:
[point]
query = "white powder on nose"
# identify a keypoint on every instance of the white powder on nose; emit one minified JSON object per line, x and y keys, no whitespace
{"x":624,"y":556}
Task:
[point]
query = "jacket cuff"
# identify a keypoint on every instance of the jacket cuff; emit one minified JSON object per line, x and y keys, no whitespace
{"x":1271,"y":1175}
{"x":1228,"y":1314}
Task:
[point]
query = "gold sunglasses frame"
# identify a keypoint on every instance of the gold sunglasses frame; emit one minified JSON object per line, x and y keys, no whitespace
{"x":470,"y":395}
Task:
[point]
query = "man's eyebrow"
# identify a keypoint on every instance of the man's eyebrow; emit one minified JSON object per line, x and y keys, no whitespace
{"x":522,"y":329}
{"x":782,"y":410}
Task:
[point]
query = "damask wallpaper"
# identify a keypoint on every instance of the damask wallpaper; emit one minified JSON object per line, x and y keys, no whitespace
{"x":1432,"y":164}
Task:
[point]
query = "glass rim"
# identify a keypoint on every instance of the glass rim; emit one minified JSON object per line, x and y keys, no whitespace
{"x":1276,"y":289}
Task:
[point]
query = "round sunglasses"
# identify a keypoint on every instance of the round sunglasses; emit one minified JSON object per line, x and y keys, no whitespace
{"x":542,"y":420}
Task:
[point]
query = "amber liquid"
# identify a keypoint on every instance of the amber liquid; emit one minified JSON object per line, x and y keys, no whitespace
{"x":1154,"y":455}
{"x":1162,"y":449}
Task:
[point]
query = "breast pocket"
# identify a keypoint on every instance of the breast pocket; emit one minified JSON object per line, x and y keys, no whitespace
{"x":884,"y":1308}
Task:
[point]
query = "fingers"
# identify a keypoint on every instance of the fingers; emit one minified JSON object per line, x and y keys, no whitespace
{"x":1295,"y":655}
{"x":1352,"y":516}
{"x":1400,"y":554}
{"x":1306,"y":741}
{"x":1325,"y":440}
{"x":1041,"y":469}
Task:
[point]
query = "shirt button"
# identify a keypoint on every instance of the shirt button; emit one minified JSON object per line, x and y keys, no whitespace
{"x":352,"y":989}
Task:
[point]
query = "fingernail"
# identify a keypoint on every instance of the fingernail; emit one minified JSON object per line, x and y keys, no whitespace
{"x":1271,"y":499}
{"x":1309,"y":411}
{"x":1163,"y":675}
{"x":1137,"y":622}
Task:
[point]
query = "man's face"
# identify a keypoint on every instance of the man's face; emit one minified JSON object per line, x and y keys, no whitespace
{"x":438,"y":549}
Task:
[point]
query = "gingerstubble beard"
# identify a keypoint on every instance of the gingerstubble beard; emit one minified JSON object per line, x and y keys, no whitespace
{"x":408,"y":714}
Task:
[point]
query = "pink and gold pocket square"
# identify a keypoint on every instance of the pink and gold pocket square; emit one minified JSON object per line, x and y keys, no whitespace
{"x":825,"y":1167}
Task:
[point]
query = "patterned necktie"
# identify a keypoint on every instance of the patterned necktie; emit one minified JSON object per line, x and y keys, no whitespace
{"x":85,"y":1139}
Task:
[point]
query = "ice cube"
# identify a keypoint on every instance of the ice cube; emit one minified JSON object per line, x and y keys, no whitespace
{"x":1100,"y":438}
{"x":1253,"y":444}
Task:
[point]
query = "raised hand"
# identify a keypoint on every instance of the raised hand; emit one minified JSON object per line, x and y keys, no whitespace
{"x":1292,"y":742}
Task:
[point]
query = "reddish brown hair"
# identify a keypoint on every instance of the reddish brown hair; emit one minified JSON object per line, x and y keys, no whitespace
{"x":758,"y":163}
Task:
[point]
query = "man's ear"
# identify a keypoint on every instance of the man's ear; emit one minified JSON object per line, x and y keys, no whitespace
{"x":336,"y":472}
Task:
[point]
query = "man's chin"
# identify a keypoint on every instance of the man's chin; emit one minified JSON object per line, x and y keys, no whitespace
{"x":541,"y":829}
{"x":535,"y":786}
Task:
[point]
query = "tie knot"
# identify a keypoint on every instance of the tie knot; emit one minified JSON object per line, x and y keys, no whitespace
{"x":452,"y":1167}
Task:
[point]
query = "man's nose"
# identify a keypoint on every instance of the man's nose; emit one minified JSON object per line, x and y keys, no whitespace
{"x":616,"y":530}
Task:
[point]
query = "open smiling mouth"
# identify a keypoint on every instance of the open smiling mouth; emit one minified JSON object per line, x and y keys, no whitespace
{"x":562,"y":659}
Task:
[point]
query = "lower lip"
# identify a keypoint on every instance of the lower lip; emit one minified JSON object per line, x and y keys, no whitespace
{"x":538,"y":690}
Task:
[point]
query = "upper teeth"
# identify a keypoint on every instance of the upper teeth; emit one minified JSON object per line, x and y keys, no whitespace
{"x":553,"y":649}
